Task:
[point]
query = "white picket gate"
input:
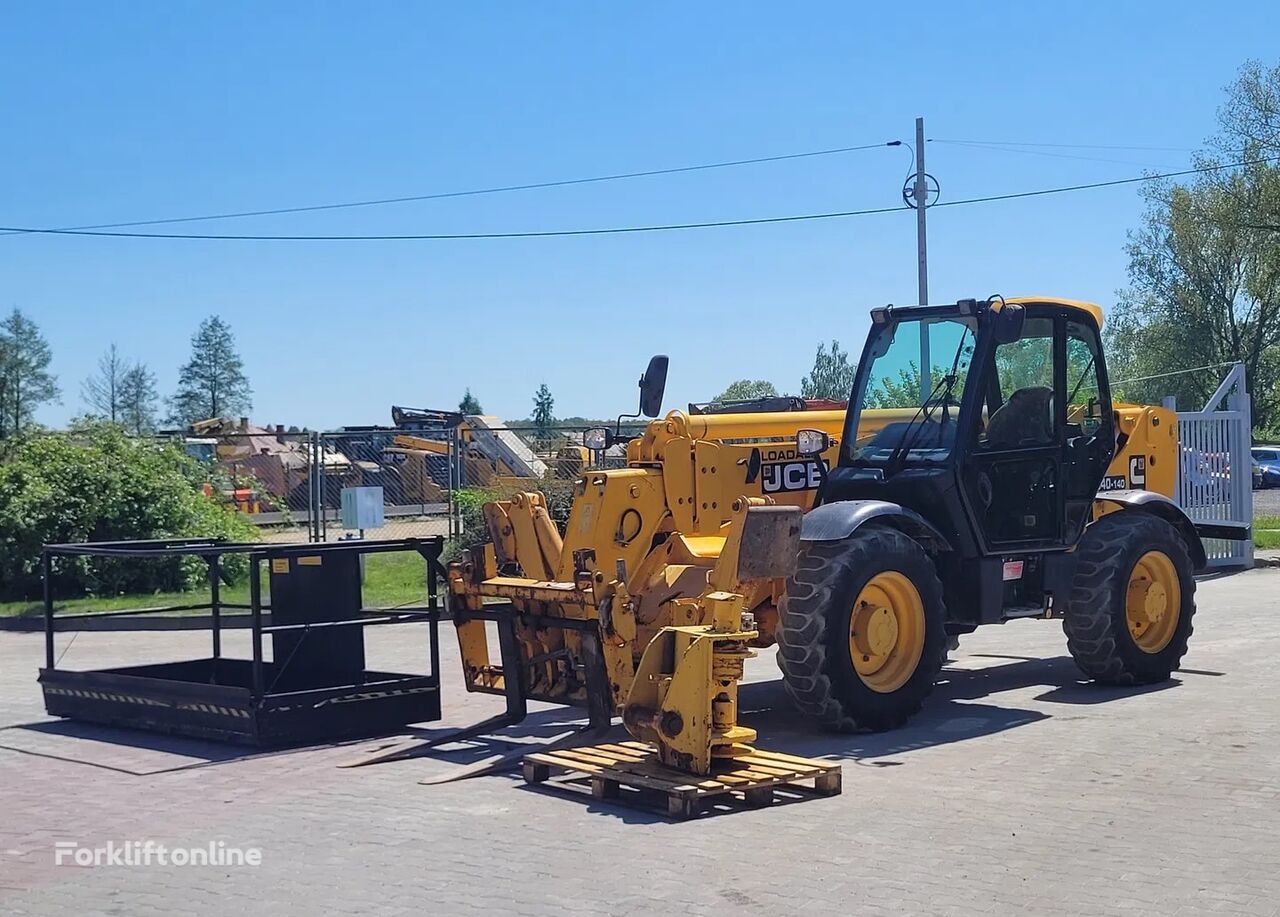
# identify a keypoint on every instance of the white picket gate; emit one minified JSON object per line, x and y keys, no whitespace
{"x":1215,"y":473}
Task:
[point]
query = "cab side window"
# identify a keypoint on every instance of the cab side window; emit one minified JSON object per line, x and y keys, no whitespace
{"x":1084,"y":406}
{"x":1020,"y":405}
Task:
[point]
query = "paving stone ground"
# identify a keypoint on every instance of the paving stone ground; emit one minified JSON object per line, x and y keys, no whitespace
{"x":1019,"y":789}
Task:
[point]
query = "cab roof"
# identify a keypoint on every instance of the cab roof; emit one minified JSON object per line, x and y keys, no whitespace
{"x":1092,"y":308}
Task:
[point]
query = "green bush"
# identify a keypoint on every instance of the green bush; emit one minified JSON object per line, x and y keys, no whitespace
{"x":470,"y":502}
{"x":97,"y":484}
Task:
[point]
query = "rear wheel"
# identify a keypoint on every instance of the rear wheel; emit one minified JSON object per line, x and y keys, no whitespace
{"x":861,"y":630}
{"x":1128,"y":617}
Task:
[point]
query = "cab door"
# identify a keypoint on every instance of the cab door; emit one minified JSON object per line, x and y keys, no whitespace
{"x":1011,"y":475}
{"x":1089,"y":442}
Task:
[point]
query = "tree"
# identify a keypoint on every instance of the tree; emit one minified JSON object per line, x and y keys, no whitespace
{"x":469,"y":404}
{"x":1204,"y":267}
{"x":25,"y":380}
{"x":138,"y":399}
{"x":747,"y":390}
{"x":101,"y":391}
{"x":902,"y":392}
{"x":212,"y":383}
{"x":543,"y":418}
{"x":831,"y":376}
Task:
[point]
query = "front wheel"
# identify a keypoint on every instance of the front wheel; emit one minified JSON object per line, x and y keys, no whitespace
{"x":1128,"y":616}
{"x":861,"y":630}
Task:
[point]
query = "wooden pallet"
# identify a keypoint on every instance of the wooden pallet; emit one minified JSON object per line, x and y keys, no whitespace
{"x":752,"y":778}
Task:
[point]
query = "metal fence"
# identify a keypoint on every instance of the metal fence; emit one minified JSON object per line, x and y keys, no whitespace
{"x":266,"y":473}
{"x":429,"y":478}
{"x":1214,"y":467}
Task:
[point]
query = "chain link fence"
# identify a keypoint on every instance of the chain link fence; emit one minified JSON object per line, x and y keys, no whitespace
{"x":266,"y":473}
{"x":433,"y":475}
{"x":428,"y":477}
{"x":409,"y":475}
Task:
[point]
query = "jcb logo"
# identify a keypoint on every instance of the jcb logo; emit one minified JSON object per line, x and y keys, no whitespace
{"x":1138,"y":470}
{"x":789,"y":476}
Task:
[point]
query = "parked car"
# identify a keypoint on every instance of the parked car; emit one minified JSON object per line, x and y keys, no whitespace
{"x":1266,"y":466}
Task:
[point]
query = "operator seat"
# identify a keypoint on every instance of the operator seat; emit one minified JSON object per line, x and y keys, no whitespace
{"x":1025,"y":419}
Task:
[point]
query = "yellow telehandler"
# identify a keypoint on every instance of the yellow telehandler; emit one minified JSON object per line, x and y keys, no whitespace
{"x":981,"y":473}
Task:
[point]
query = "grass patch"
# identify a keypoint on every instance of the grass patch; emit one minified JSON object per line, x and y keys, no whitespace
{"x":389,"y":579}
{"x":394,"y":579}
{"x":1266,"y":531}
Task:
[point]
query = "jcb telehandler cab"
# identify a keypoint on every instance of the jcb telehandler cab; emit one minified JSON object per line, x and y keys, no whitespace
{"x":993,"y":501}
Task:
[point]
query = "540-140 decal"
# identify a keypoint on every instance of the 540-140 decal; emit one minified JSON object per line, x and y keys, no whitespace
{"x":1137,"y":476}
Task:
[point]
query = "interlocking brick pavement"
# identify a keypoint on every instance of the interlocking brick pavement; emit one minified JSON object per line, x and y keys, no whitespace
{"x":1018,"y":790}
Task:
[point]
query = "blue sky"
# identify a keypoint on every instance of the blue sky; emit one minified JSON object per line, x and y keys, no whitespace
{"x":119,"y":111}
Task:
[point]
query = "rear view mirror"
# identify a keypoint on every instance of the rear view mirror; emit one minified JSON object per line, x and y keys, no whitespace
{"x":652,"y":386}
{"x":1008,"y":323}
{"x":812,"y":442}
{"x":597,"y":439}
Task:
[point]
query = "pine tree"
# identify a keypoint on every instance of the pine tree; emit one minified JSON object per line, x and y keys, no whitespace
{"x":469,"y":404}
{"x":212,"y":383}
{"x":25,"y":380}
{"x":543,"y":418}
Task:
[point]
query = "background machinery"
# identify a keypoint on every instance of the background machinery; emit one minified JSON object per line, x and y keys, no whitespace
{"x":999,"y":482}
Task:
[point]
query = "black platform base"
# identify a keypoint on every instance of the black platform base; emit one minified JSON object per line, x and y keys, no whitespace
{"x":213,"y":699}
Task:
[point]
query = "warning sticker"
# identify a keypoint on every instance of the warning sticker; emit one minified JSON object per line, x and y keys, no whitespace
{"x":1012,"y":570}
{"x":280,"y":565}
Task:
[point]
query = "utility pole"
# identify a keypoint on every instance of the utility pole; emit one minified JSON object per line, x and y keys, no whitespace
{"x":921,"y":195}
{"x":922,"y":203}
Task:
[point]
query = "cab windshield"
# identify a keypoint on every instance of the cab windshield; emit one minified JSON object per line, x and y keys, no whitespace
{"x":904,"y":414}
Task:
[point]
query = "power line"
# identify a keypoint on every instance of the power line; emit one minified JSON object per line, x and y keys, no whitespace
{"x":1176,"y":372}
{"x":618,"y":230}
{"x":503,"y":189}
{"x":1072,"y":146}
{"x":1000,"y":148}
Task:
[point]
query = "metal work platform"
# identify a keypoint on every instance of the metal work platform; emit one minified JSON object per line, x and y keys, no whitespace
{"x":316,"y":686}
{"x":752,"y":779}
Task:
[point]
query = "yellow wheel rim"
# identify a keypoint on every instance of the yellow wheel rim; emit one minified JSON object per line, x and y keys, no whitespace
{"x":1153,"y":603}
{"x":886,"y":632}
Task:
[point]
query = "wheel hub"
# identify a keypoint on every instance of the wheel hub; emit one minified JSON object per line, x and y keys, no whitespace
{"x":886,"y":631}
{"x":1151,"y":605}
{"x":875,"y":630}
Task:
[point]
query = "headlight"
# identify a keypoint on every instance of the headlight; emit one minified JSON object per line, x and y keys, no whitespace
{"x":812,"y":442}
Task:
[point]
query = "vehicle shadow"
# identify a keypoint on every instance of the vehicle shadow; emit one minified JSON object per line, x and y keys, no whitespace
{"x":951,"y":713}
{"x":137,"y":753}
{"x":765,"y":707}
{"x":954,"y":712}
{"x":117,"y":749}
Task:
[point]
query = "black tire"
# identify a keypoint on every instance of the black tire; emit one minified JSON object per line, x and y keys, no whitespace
{"x":814,"y":619}
{"x":1094,"y":619}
